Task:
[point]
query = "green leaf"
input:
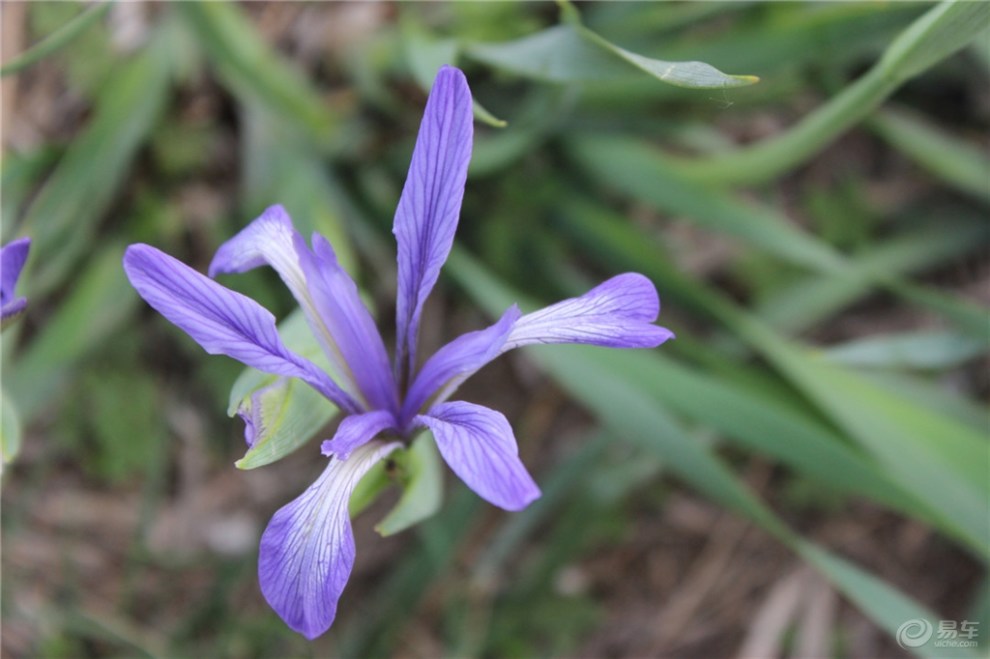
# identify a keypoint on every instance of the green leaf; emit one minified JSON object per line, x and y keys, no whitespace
{"x":291,"y":411}
{"x":256,"y":73}
{"x":762,"y":423}
{"x":641,"y":171}
{"x":425,"y":56}
{"x":943,"y":30}
{"x":697,"y":75}
{"x":942,"y":460}
{"x":907,"y":350}
{"x":105,"y":430}
{"x":10,"y":431}
{"x":960,"y":164}
{"x":806,"y":301}
{"x":932,"y":394}
{"x":279,"y":169}
{"x":100,"y":300}
{"x":887,"y":606}
{"x":935,"y":35}
{"x":56,"y":40}
{"x":370,"y":487}
{"x":622,"y":405}
{"x":915,"y":445}
{"x":573,"y":53}
{"x":422,"y":479}
{"x":63,"y":218}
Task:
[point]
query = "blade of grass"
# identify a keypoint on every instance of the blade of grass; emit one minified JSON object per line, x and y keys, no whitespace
{"x":814,"y":298}
{"x":101,"y":299}
{"x":916,"y":445}
{"x":378,"y":621}
{"x":943,"y":30}
{"x":556,"y":486}
{"x":960,"y":164}
{"x":255,"y":73}
{"x":639,"y":171}
{"x":281,"y":170}
{"x":778,"y":42}
{"x":570,"y":52}
{"x":56,"y":40}
{"x":930,"y":393}
{"x":63,"y":218}
{"x":425,"y":56}
{"x":10,"y":430}
{"x":624,"y":407}
{"x":681,"y":74}
{"x":920,"y":350}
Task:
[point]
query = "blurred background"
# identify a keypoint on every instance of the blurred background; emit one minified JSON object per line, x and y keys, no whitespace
{"x":801,"y":473}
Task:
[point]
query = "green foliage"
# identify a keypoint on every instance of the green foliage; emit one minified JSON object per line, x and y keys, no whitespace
{"x":813,"y":243}
{"x":571,"y":52}
{"x":421,"y":472}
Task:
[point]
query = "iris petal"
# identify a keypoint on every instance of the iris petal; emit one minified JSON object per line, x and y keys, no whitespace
{"x":12,"y":258}
{"x":327,"y":295}
{"x":307,"y":550}
{"x":338,"y":304}
{"x":222,"y":321}
{"x":356,"y":430}
{"x":618,"y":313}
{"x":430,"y":205}
{"x":478,"y":445}
{"x":457,"y":361}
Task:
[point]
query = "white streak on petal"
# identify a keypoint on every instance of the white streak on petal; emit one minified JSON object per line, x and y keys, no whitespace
{"x":307,"y":551}
{"x":618,"y":313}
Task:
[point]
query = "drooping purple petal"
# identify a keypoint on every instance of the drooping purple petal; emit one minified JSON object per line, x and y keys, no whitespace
{"x":430,"y":205}
{"x":267,"y":240}
{"x":455,"y":362}
{"x":338,"y":304}
{"x":307,"y":550}
{"x":13,"y":255}
{"x":356,"y":430}
{"x":222,"y":321}
{"x":480,"y":448}
{"x":327,"y":295}
{"x":618,"y":313}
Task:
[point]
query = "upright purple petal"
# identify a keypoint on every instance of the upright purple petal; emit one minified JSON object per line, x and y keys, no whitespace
{"x":224,"y":322}
{"x":13,"y":255}
{"x":618,"y":313}
{"x":455,"y":362}
{"x":328,"y":297}
{"x":307,"y":551}
{"x":336,"y":299}
{"x":480,"y":448}
{"x":356,"y":430}
{"x":430,"y":204}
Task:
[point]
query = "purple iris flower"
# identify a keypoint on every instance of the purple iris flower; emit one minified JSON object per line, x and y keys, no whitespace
{"x":12,"y":258}
{"x":307,"y":550}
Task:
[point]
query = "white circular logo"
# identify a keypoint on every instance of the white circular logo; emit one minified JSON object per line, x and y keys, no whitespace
{"x":914,"y":633}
